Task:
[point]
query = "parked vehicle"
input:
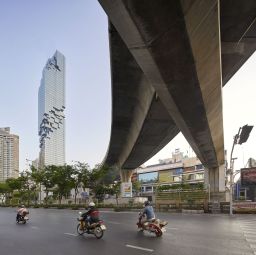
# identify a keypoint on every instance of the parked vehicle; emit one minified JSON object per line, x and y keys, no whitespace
{"x":155,"y":226}
{"x":97,"y":229}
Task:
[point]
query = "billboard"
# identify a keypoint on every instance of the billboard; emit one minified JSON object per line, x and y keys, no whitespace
{"x":165,"y":176}
{"x":126,"y":189}
{"x":248,"y":176}
{"x":151,"y":177}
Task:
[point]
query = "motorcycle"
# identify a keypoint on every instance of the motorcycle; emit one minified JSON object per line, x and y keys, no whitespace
{"x":155,"y":226}
{"x":22,"y":218}
{"x":97,"y":229}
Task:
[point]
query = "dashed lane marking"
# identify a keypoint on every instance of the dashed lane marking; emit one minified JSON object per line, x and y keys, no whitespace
{"x":113,"y":222}
{"x":253,"y":246}
{"x":34,"y":227}
{"x":250,"y":240}
{"x":139,"y":248}
{"x":171,"y":228}
{"x":70,"y":234}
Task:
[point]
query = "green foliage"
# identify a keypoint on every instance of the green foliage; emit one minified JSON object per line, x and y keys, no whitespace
{"x":4,"y":191}
{"x":13,"y":184}
{"x":199,"y":186}
{"x":136,"y":186}
{"x":62,"y":177}
{"x":80,"y":176}
{"x":182,"y":186}
{"x":60,"y":180}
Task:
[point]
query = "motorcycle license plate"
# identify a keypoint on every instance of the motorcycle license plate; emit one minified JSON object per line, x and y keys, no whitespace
{"x":103,"y":227}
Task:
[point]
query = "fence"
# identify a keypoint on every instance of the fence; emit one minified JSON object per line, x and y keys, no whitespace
{"x":179,"y":200}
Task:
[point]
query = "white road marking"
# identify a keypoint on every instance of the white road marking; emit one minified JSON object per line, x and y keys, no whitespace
{"x":248,"y":228}
{"x":70,"y":234}
{"x":249,"y":236}
{"x":171,"y":228}
{"x":250,"y":240}
{"x":113,"y":222}
{"x":248,"y":222}
{"x":139,"y":248}
{"x":250,"y":232}
{"x":253,"y":246}
{"x":34,"y":227}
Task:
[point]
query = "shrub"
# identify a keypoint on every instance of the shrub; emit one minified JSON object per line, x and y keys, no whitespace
{"x":62,"y":206}
{"x":121,"y":209}
{"x":75,"y":207}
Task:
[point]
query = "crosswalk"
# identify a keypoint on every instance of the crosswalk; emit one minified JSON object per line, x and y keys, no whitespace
{"x":248,"y":227}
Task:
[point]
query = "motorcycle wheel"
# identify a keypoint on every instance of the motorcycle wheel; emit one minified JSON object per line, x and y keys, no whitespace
{"x":98,"y":232}
{"x":158,"y":232}
{"x":24,"y":222}
{"x":79,"y":231}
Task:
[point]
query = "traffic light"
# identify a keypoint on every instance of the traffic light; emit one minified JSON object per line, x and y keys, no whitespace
{"x":246,"y":130}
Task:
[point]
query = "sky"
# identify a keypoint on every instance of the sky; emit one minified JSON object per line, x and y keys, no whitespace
{"x":31,"y":31}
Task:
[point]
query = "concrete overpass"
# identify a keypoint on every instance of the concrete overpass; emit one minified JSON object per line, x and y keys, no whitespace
{"x":169,"y":61}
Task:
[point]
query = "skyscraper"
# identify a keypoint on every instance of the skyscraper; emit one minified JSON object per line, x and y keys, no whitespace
{"x":9,"y":154}
{"x":51,"y":106}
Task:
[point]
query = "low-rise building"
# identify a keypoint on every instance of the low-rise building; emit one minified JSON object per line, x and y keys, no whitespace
{"x":179,"y":169}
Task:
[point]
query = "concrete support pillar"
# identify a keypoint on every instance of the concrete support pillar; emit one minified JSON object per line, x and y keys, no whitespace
{"x":215,"y":181}
{"x":126,"y":175}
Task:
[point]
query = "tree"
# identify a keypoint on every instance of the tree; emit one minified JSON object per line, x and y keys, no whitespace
{"x":46,"y":177}
{"x":37,"y":176}
{"x":25,"y":186}
{"x":95,"y":177}
{"x":136,"y":187}
{"x":62,"y":177}
{"x":80,"y":176}
{"x":13,"y":184}
{"x":115,"y":190}
{"x":4,"y":190}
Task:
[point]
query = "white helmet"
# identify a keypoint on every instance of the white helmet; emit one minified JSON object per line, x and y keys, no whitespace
{"x":91,"y":204}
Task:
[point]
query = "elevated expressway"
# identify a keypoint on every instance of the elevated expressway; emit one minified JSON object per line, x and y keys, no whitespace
{"x":169,"y":62}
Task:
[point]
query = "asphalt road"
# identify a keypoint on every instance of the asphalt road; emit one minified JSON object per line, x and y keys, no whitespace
{"x":53,"y":232}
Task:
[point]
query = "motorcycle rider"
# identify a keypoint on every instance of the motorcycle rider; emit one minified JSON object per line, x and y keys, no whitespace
{"x":92,"y":215}
{"x":148,"y":213}
{"x":22,"y":211}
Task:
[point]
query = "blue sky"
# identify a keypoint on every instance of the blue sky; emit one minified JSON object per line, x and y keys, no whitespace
{"x":32,"y":30}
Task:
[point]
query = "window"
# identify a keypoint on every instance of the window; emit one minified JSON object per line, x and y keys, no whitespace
{"x":199,"y":167}
{"x":176,"y":178}
{"x":191,"y":177}
{"x":199,"y":176}
{"x":149,"y":189}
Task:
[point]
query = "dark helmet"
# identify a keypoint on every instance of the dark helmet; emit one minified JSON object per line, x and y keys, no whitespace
{"x":146,"y":203}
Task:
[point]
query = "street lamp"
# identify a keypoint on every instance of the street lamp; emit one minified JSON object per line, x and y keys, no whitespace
{"x":240,"y":138}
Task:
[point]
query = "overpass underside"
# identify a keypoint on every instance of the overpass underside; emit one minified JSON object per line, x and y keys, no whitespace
{"x":169,"y":61}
